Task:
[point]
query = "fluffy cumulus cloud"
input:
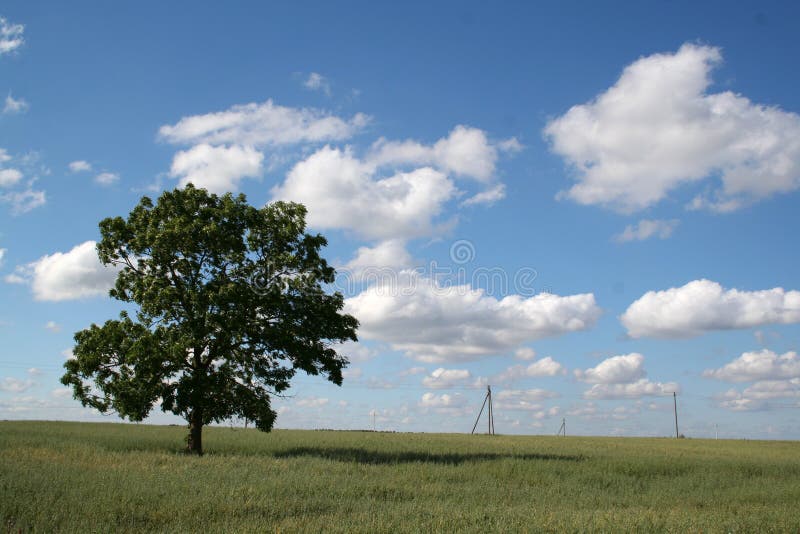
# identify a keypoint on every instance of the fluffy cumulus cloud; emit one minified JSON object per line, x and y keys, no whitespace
{"x":216,"y":168}
{"x":763,"y":395}
{"x":402,"y":205}
{"x":398,"y":189}
{"x":227,"y":146}
{"x":466,"y":151}
{"x":761,"y":365}
{"x":67,"y":275}
{"x":443,"y":403}
{"x":622,"y":377}
{"x":646,"y":229}
{"x":634,"y":390}
{"x":702,"y":306}
{"x":444,"y":378}
{"x":372,"y":263}
{"x":436,"y":323}
{"x":265,"y":124}
{"x":11,"y":36}
{"x":547,"y":366}
{"x":659,"y":127}
{"x":614,"y":370}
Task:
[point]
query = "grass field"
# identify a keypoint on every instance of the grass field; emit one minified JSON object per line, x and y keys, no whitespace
{"x":83,"y":477}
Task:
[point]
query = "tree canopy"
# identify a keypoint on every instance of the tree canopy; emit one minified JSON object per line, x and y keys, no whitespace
{"x":230,"y":302}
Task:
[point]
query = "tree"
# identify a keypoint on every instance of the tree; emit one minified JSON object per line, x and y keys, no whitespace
{"x":229,"y":304}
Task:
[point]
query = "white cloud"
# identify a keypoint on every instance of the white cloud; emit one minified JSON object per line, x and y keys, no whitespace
{"x":525,"y":353}
{"x":80,"y":166}
{"x":527,"y":399}
{"x":371,"y":263}
{"x":53,"y":327}
{"x":9,"y":177}
{"x":61,"y":393}
{"x":24,"y":201}
{"x":353,"y":373}
{"x":317,"y":82}
{"x":541,"y":368}
{"x":10,"y":36}
{"x":34,"y":371}
{"x":436,"y":323}
{"x":68,"y":275}
{"x":15,"y":385}
{"x":589,"y":410}
{"x":398,"y":189}
{"x":702,"y":305}
{"x":547,"y":366}
{"x":216,"y":168}
{"x":622,"y":377}
{"x":761,"y":395}
{"x":15,"y":105}
{"x":106,"y":178}
{"x":761,"y":365}
{"x":431,"y":400}
{"x":2,"y":255}
{"x":614,"y":370}
{"x":647,"y":228}
{"x":403,"y":205}
{"x":658,"y":128}
{"x":414,"y":371}
{"x":640,"y":388}
{"x":265,"y":124}
{"x":487,"y":197}
{"x":356,"y":352}
{"x":312,"y":402}
{"x":445,"y":378}
{"x":466,"y":151}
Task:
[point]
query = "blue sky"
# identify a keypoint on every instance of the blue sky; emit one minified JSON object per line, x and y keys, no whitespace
{"x":586,"y":207}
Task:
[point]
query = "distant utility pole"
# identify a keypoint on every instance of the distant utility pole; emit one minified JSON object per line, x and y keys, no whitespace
{"x":562,"y":431}
{"x":716,"y":431}
{"x":486,"y":399}
{"x":675,"y":405}
{"x":373,"y":420}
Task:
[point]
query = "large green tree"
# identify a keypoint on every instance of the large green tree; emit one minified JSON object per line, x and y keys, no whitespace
{"x":229,"y":303}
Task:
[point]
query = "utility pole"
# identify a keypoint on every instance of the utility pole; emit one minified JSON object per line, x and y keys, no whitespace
{"x":490,"y":413}
{"x":675,"y":405}
{"x":716,"y":431}
{"x":562,"y":431}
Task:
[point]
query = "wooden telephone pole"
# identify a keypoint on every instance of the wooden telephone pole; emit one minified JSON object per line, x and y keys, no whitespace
{"x":486,"y":399}
{"x":675,"y":405}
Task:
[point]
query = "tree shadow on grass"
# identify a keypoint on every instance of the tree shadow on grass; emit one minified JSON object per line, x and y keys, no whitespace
{"x":364,"y":456}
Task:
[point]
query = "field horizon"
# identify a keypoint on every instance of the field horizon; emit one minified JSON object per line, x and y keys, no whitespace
{"x":73,"y":476}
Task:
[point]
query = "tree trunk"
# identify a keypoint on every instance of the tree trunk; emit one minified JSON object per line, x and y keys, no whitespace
{"x":194,"y":444}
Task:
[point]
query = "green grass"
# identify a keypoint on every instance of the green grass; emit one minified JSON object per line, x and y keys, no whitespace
{"x":81,"y":477}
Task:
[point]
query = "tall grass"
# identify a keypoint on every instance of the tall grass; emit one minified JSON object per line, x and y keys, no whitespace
{"x":84,"y":477}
